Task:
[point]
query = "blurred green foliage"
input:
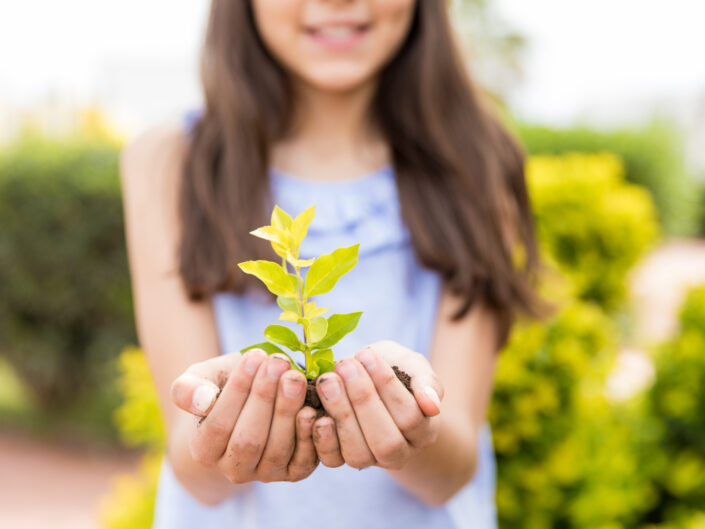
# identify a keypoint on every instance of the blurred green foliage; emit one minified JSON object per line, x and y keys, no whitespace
{"x":130,"y":504}
{"x":561,"y":447}
{"x":66,"y":309}
{"x":676,"y":405}
{"x":653,"y":157}
{"x":592,"y":224}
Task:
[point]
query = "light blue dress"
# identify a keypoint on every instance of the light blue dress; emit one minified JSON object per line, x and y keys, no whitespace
{"x":398,"y":298}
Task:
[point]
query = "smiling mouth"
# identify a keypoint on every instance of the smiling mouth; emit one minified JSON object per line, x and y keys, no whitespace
{"x":338,"y":35}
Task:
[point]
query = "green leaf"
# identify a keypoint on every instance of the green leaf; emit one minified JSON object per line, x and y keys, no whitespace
{"x":327,"y":269}
{"x":299,"y":227}
{"x":284,"y":336}
{"x":288,"y":304}
{"x":270,"y":233}
{"x":325,"y":366}
{"x":288,"y":316}
{"x":270,"y":349}
{"x":317,"y":329}
{"x":311,"y":311}
{"x":338,"y":326}
{"x":323,"y":354}
{"x":281,"y":219}
{"x":273,"y":276}
{"x":299,"y":263}
{"x":267,"y":347}
{"x":313,"y":370}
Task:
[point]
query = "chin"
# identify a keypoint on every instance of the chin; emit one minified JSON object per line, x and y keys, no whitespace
{"x":337,"y":79}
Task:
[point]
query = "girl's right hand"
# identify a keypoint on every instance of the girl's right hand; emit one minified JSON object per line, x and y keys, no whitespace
{"x":249,"y":422}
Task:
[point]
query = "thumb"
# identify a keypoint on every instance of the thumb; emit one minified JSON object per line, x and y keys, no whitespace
{"x":194,"y":394}
{"x":428,"y":392}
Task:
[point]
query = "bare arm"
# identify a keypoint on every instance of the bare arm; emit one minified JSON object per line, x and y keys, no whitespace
{"x":376,"y":421}
{"x":174,"y":331}
{"x":463,"y":357}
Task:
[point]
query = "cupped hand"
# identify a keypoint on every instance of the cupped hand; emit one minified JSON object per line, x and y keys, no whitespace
{"x":374,"y":419}
{"x":251,"y":425}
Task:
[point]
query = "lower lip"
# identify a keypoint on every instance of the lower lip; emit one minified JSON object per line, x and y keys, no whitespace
{"x":338,"y":44}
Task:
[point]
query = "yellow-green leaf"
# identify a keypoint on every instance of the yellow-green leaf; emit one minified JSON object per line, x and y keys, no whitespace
{"x":338,"y":326}
{"x":273,"y":276}
{"x":281,"y":219}
{"x":288,"y":304}
{"x":325,"y":366}
{"x":288,"y":316}
{"x":270,"y":349}
{"x":327,"y":269}
{"x":299,"y":263}
{"x":323,"y":354}
{"x":284,"y":336}
{"x":299,"y":227}
{"x":311,"y":311}
{"x":317,"y":329}
{"x":281,"y":240}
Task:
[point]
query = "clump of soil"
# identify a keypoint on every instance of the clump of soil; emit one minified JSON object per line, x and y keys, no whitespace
{"x":313,"y":400}
{"x":404,"y":377}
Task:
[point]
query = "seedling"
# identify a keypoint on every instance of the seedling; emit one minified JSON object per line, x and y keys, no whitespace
{"x":293,"y":291}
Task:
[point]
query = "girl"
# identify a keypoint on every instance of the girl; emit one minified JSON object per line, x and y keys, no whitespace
{"x":363,"y":109}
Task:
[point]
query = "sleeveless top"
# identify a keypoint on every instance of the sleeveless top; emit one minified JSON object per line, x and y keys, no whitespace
{"x":398,"y":298}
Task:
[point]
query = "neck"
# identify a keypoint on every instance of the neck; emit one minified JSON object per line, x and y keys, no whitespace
{"x":334,"y":118}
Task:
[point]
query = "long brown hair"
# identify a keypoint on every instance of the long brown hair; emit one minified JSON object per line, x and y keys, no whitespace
{"x":459,"y":173}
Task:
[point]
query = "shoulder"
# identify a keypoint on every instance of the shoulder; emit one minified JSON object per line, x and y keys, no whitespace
{"x":156,"y":154}
{"x":150,"y":169}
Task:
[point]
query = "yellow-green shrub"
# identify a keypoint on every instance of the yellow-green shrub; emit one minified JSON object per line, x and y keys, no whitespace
{"x":591,"y":223}
{"x":676,"y":404}
{"x":130,"y":505}
{"x":560,"y":446}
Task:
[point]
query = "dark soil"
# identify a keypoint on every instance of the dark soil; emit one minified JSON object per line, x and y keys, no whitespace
{"x":314,"y":401}
{"x":404,"y":377}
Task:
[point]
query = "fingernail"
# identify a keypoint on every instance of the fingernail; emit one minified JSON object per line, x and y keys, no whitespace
{"x":324,"y":431}
{"x":253,"y":359}
{"x":330,"y":388}
{"x":347,"y":370}
{"x":367,"y":359}
{"x":431,"y":393}
{"x":276,"y":367}
{"x":292,"y":387}
{"x":203,"y":398}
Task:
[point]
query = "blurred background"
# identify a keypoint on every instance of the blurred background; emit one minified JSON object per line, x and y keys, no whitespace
{"x":598,"y":414}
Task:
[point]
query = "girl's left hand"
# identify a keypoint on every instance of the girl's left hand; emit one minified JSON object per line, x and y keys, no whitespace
{"x":374,"y":419}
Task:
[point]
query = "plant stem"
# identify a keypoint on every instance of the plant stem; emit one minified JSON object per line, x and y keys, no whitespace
{"x":302,"y":302}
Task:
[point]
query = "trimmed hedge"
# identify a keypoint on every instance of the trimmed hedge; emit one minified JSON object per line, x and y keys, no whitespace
{"x":591,"y":224}
{"x":653,"y":157}
{"x":66,"y":308}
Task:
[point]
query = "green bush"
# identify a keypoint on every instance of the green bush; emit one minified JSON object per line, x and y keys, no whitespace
{"x":561,"y":447}
{"x":130,"y":504}
{"x":653,"y":157}
{"x":66,"y":308}
{"x":676,"y":403}
{"x":591,"y":224}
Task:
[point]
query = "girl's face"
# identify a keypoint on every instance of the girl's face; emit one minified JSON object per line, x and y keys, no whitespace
{"x":333,"y":45}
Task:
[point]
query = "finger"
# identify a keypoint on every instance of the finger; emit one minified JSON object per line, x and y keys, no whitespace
{"x":252,"y":428}
{"x":304,"y":460}
{"x":402,"y":405}
{"x":281,"y":441}
{"x":196,"y":389}
{"x":352,"y":442}
{"x":213,"y":432}
{"x":425,"y":384}
{"x":383,"y":437}
{"x":325,"y":440}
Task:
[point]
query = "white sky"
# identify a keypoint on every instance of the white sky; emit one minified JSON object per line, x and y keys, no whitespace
{"x":586,"y":58}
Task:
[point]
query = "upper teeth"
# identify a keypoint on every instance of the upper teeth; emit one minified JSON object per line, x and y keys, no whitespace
{"x":338,"y":32}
